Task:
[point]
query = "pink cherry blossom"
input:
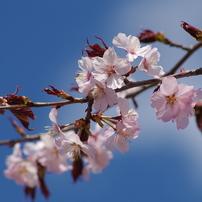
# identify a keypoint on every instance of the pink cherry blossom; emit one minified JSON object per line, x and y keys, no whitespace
{"x":149,"y":62}
{"x":117,"y":141}
{"x":47,"y":154}
{"x":55,"y":131}
{"x":123,"y":134}
{"x":24,"y":172}
{"x":110,"y":69}
{"x":126,"y":128}
{"x":175,"y":101}
{"x":132,"y":46}
{"x":102,"y":95}
{"x":128,"y":116}
{"x":103,"y":156}
{"x":86,"y":66}
{"x":73,"y":145}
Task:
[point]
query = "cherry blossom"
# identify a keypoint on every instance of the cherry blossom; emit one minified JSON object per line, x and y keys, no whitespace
{"x":102,"y":95}
{"x":55,"y":129}
{"x":128,"y":116}
{"x":24,"y":172}
{"x":126,"y":128}
{"x":47,"y":154}
{"x":110,"y":69}
{"x":103,"y":155}
{"x":175,"y":101}
{"x":86,"y":66}
{"x":132,"y":46}
{"x":73,"y":145}
{"x":149,"y":62}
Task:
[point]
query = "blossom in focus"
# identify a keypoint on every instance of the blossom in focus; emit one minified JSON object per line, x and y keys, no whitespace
{"x":110,"y":69}
{"x":102,"y":95}
{"x":86,"y":66}
{"x":23,"y":171}
{"x":128,"y":116}
{"x":103,"y":155}
{"x":132,"y":46}
{"x":121,"y":139}
{"x":149,"y":62}
{"x":175,"y":101}
{"x":127,"y":128}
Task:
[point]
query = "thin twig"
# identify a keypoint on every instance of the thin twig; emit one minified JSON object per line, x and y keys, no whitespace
{"x":25,"y":139}
{"x":153,"y":82}
{"x":46,"y":104}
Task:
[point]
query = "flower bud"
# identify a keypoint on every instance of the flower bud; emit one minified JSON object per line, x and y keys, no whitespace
{"x":193,"y":31}
{"x":77,"y":168}
{"x":148,"y":36}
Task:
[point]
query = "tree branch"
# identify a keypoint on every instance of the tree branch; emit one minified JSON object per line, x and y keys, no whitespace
{"x":46,"y":104}
{"x":26,"y":138}
{"x":153,"y":82}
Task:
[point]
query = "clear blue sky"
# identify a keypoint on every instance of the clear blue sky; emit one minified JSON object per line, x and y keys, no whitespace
{"x":40,"y":44}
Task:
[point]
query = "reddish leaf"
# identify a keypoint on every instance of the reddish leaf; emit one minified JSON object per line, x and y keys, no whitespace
{"x":22,"y":115}
{"x":44,"y":188}
{"x":59,"y":93}
{"x":30,"y":192}
{"x":19,"y":129}
{"x":41,"y":175}
{"x":97,"y":50}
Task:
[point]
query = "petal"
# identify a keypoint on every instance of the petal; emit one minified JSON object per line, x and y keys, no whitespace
{"x":53,"y":115}
{"x":115,"y":81}
{"x":110,"y":57}
{"x":158,"y":100}
{"x":123,"y":66}
{"x":123,"y":106}
{"x":169,"y":85}
{"x":89,"y":150}
{"x":121,"y":144}
{"x":120,"y":41}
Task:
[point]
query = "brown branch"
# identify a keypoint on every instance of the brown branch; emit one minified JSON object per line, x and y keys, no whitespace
{"x":153,"y":82}
{"x":89,"y":109}
{"x":171,"y":43}
{"x":184,"y":58}
{"x":46,"y":104}
{"x":25,"y":139}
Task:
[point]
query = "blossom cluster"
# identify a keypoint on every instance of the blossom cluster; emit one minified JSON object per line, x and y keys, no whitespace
{"x":103,"y":71}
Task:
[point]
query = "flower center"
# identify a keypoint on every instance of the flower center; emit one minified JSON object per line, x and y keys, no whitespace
{"x":96,"y":92}
{"x":171,"y":99}
{"x":110,"y":69}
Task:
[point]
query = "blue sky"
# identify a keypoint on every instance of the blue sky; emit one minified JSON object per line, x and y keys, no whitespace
{"x":40,"y":44}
